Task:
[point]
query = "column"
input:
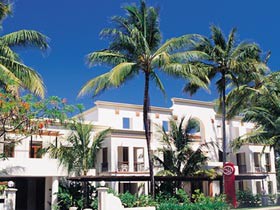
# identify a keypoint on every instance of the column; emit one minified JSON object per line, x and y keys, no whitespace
{"x":10,"y":199}
{"x":102,"y":193}
{"x":48,"y":186}
{"x":54,"y":190}
{"x":130,"y":159}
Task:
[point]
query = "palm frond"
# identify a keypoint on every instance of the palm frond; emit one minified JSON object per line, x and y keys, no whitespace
{"x":186,"y":41}
{"x":218,"y":37}
{"x":158,"y":82}
{"x":105,"y":57}
{"x":26,"y":38}
{"x":29,"y":78}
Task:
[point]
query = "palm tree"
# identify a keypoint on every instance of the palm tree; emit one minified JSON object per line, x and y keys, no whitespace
{"x":263,"y":109}
{"x":14,"y":74}
{"x":179,"y":157}
{"x":134,"y":49}
{"x":81,"y":153}
{"x":231,"y":64}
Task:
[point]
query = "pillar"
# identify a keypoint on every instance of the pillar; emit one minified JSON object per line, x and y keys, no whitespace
{"x":130,"y":159}
{"x":54,"y":191}
{"x":48,"y":186}
{"x":102,"y":193}
{"x":10,"y":199}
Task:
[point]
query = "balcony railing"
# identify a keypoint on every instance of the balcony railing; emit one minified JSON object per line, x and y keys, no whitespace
{"x":104,"y":167}
{"x":268,"y":168}
{"x":242,"y":169}
{"x":123,"y":166}
{"x":258,"y":169}
{"x":139,"y":166}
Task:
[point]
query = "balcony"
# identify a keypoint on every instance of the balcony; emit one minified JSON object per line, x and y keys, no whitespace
{"x":258,"y":169}
{"x":139,"y":166}
{"x":104,"y":167}
{"x":242,"y":169}
{"x":267,"y":168}
{"x":123,"y":166}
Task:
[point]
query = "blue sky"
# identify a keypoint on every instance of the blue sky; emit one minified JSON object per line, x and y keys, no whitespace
{"x":73,"y":28}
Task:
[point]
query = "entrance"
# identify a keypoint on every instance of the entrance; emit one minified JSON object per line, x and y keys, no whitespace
{"x":30,"y":194}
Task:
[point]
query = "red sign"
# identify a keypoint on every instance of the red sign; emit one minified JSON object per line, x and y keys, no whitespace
{"x":229,"y":179}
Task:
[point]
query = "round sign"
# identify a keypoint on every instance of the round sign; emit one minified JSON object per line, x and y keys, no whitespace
{"x":228,"y":170}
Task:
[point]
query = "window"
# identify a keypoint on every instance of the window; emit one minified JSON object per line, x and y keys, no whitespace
{"x":165,"y":125}
{"x":104,"y":164}
{"x":126,"y":123}
{"x":267,"y":162}
{"x":193,"y":130}
{"x":258,"y":187}
{"x":242,"y":185}
{"x":257,"y":161}
{"x":241,"y":163}
{"x":9,"y":149}
{"x":35,"y":148}
{"x":270,"y":187}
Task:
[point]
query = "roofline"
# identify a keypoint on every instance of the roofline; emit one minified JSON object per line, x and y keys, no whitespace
{"x":84,"y":112}
{"x":193,"y":102}
{"x":132,"y":106}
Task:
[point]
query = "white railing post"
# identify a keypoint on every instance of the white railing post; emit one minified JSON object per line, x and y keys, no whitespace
{"x":102,"y":194}
{"x":10,"y":199}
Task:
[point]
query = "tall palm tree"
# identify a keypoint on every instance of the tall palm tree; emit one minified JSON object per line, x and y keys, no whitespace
{"x":179,"y":157}
{"x":81,"y":153}
{"x":134,"y":49}
{"x":231,"y":63}
{"x":14,"y":74}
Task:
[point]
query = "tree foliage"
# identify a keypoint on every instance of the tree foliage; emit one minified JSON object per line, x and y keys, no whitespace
{"x":27,"y":115}
{"x":179,"y":155}
{"x":135,"y":48}
{"x":12,"y":67}
{"x":79,"y":153}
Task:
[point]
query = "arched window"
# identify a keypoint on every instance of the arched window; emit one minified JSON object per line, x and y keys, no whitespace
{"x":195,"y":129}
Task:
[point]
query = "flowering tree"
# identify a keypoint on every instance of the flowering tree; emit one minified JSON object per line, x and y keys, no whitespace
{"x":24,"y":116}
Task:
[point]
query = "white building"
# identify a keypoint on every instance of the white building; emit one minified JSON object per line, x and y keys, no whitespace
{"x":124,"y":151}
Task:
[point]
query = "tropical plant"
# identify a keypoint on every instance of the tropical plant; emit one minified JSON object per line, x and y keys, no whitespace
{"x":232,"y":64}
{"x":262,"y":108}
{"x":179,"y":157}
{"x":134,"y":49}
{"x":13,"y":73}
{"x":80,"y":153}
{"x":69,"y":195}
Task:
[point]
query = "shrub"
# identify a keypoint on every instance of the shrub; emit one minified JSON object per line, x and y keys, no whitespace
{"x":129,"y":200}
{"x":247,"y":199}
{"x":202,"y":202}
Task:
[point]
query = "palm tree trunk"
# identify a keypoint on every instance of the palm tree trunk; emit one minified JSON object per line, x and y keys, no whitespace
{"x":224,"y":123}
{"x":147,"y":126}
{"x":85,"y":191}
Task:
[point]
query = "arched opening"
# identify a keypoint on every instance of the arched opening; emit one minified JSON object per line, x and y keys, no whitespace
{"x":196,"y":129}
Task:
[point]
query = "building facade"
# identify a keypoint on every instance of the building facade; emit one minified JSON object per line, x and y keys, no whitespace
{"x":124,"y":151}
